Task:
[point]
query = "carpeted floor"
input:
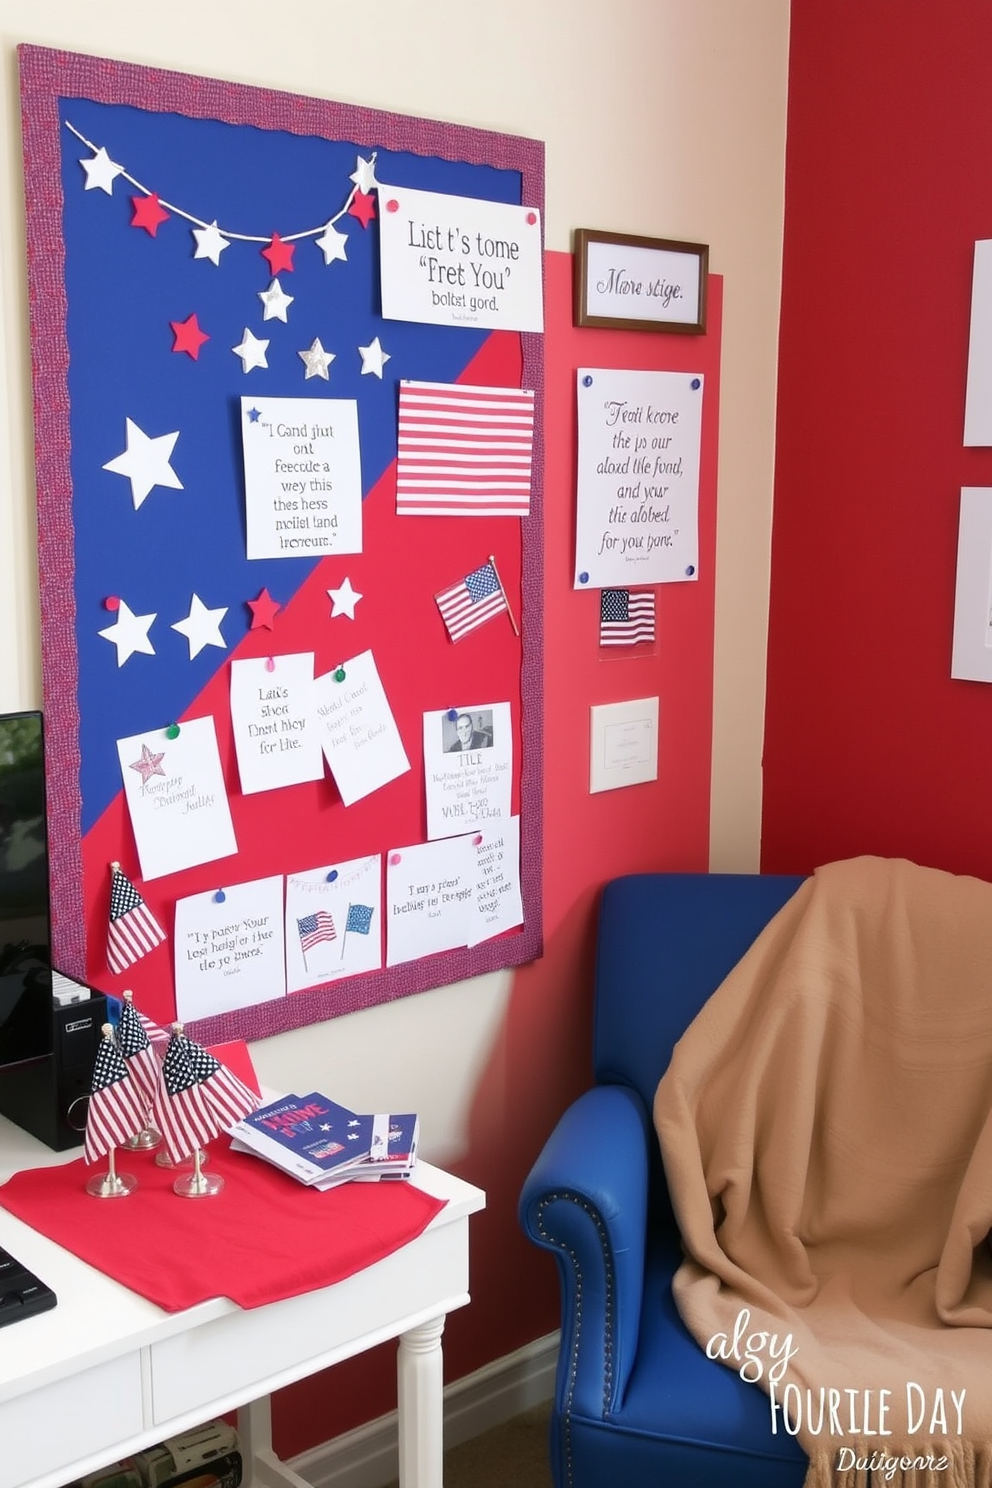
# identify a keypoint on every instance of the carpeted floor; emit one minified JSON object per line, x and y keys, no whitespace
{"x":515,"y":1453}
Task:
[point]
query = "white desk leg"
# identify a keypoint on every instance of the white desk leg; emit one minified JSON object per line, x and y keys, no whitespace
{"x":421,"y":1405}
{"x":262,"y":1468}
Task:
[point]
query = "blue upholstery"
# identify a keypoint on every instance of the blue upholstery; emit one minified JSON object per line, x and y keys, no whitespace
{"x":637,"y":1402}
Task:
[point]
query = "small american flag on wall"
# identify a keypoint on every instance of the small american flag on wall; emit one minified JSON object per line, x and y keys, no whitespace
{"x":626,"y":616}
{"x":472,"y":601}
{"x":314,"y":928}
{"x":464,"y":451}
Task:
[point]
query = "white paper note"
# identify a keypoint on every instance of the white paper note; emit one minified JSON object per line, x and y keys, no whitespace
{"x":275,"y":728}
{"x":623,"y":747}
{"x":303,"y":476}
{"x":357,"y":730}
{"x":457,"y":260}
{"x":637,"y":504}
{"x":229,"y":948}
{"x":468,"y":764}
{"x":430,"y":889}
{"x":333,"y":922}
{"x":176,"y":798}
{"x":497,"y":905}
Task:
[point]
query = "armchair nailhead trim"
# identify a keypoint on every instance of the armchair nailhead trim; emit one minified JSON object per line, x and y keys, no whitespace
{"x":554,"y":1243}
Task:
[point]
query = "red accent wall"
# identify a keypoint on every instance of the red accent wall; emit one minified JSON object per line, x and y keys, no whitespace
{"x":869,"y":745}
{"x":541,"y":1061}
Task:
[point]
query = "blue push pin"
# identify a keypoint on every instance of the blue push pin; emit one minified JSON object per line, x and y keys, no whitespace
{"x":587,"y":381}
{"x":332,"y":875}
{"x":220,"y":897}
{"x":695,"y":384}
{"x":690,"y":571}
{"x":452,"y":715}
{"x":583,"y":577}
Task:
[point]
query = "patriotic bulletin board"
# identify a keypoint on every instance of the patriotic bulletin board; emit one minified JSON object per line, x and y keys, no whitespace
{"x":287,"y":371}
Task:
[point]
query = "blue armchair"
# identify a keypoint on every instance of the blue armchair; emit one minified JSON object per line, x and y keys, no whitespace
{"x":637,"y":1402}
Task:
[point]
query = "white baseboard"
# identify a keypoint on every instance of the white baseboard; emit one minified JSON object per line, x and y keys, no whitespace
{"x":368,"y":1457}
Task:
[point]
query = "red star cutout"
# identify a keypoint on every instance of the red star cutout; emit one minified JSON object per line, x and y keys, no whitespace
{"x":263,"y":610}
{"x":148,"y":765}
{"x":280,"y":255}
{"x":363,"y":207}
{"x":189,"y":337}
{"x":149,"y":213}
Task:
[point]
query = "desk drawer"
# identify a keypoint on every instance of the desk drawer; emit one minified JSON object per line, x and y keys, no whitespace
{"x":66,"y":1422}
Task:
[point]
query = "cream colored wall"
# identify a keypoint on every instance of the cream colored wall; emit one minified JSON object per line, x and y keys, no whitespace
{"x":663,"y":117}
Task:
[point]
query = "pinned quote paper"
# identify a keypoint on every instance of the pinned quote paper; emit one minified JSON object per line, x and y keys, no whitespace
{"x":496,"y":904}
{"x":638,"y":477}
{"x":430,"y":889}
{"x":333,"y":922}
{"x":459,"y":261}
{"x":303,"y":476}
{"x":229,"y":948}
{"x":174,"y":787}
{"x":272,"y":715}
{"x":468,"y":759}
{"x":357,"y":730}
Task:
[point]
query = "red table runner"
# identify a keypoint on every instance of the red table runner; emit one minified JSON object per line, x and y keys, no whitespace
{"x":263,"y":1238}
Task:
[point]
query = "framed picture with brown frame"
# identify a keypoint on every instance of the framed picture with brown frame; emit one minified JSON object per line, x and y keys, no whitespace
{"x":639,"y":284}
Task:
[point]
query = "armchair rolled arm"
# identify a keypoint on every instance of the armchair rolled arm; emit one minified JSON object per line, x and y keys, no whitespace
{"x":586,"y":1200}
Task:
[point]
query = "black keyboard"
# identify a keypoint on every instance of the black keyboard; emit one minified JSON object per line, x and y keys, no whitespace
{"x":21,"y":1293}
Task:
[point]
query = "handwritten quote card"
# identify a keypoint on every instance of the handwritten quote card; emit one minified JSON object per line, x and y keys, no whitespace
{"x":468,"y":758}
{"x":357,"y":730}
{"x":638,"y":477}
{"x":429,"y":898}
{"x":497,"y":904}
{"x":229,"y":948}
{"x":455,"y":260}
{"x":174,"y":788}
{"x":333,"y":922}
{"x":303,"y":476}
{"x":272,"y":715}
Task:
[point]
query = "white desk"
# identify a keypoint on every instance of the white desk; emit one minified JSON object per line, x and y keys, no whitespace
{"x":106,"y":1372}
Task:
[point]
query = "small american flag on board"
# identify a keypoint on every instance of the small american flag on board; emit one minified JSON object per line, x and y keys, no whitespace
{"x":472,"y":601}
{"x":133,"y":930}
{"x":314,"y":928}
{"x":626,"y":616}
{"x":464,"y":451}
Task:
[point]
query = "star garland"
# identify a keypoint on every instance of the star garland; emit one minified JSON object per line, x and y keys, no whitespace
{"x":150,"y":211}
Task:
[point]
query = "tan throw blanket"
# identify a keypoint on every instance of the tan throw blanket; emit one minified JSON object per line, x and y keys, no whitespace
{"x":826,"y":1131}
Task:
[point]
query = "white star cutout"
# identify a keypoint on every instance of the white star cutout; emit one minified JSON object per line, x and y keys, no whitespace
{"x":210,"y":243}
{"x":129,"y":633}
{"x":333,"y":244}
{"x":145,"y":462}
{"x":343,"y":600}
{"x":276,"y":301}
{"x":101,"y":172}
{"x":251,"y":351}
{"x":316,"y":360}
{"x":201,"y":627}
{"x":364,"y":175}
{"x":373,"y":358}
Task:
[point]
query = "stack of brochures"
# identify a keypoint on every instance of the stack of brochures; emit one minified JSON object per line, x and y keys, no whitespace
{"x":323,"y":1144}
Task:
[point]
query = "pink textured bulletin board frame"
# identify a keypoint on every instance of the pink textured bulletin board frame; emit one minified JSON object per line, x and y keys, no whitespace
{"x":46,"y":76}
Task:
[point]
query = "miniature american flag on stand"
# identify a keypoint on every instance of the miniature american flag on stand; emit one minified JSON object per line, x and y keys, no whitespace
{"x":197,"y":1097}
{"x":133,"y":930}
{"x":135,"y":1046}
{"x":464,"y":451}
{"x":117,"y":1105}
{"x":626,"y":616}
{"x":472,"y":601}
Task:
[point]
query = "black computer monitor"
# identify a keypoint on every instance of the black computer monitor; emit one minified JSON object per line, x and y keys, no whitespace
{"x":25,"y":941}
